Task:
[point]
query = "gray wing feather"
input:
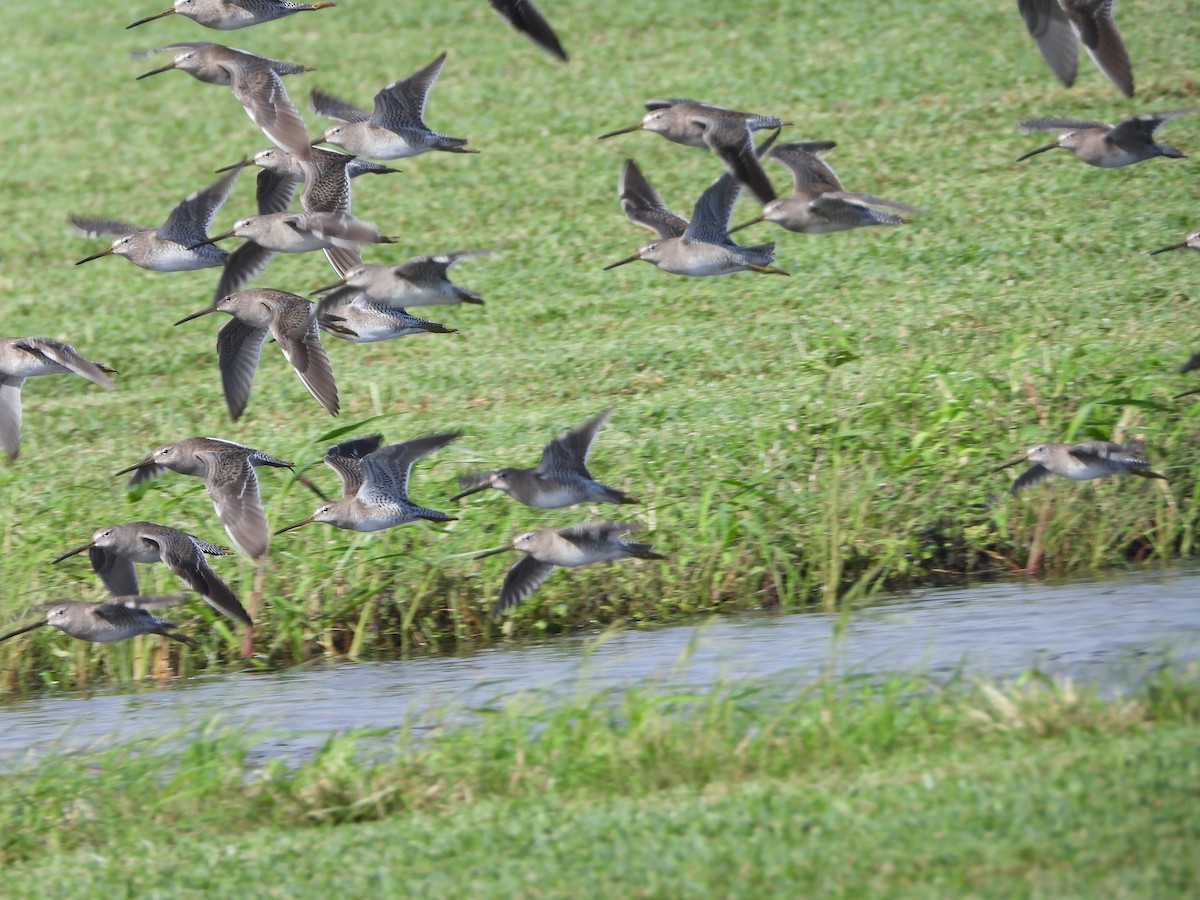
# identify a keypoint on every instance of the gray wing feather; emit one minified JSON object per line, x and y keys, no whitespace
{"x":1035,"y":474}
{"x":402,"y":103}
{"x":570,"y":450}
{"x":643,"y":205}
{"x":189,"y":220}
{"x":1055,"y":37}
{"x":332,"y":108}
{"x":238,"y":348}
{"x":116,"y":572}
{"x":522,"y":580}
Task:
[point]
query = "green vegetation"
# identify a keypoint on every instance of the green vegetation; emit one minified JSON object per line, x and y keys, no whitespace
{"x":812,"y":438}
{"x":896,"y":789}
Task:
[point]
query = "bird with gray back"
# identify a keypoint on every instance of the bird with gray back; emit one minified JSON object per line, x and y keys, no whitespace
{"x":291,"y":321}
{"x":291,"y":232}
{"x":575,"y":545}
{"x":114,"y":620}
{"x":420,"y":281}
{"x":818,"y":203}
{"x":29,"y":357}
{"x":726,"y":132}
{"x":255,"y":82}
{"x":1080,"y":462}
{"x":561,"y":477}
{"x":114,"y":549}
{"x":396,"y":128}
{"x":228,"y":472}
{"x":528,"y":19}
{"x":226,"y":15}
{"x":699,"y":247}
{"x":213,"y":63}
{"x":178,"y":245}
{"x":326,"y":178}
{"x":375,"y":484}
{"x":354,"y":317}
{"x":1059,"y":26}
{"x":1108,"y":146}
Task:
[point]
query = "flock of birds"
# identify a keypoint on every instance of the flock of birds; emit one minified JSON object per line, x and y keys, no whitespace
{"x":370,"y":302}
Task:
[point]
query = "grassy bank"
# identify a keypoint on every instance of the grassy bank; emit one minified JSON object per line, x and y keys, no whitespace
{"x":793,"y":440}
{"x":891,"y":790}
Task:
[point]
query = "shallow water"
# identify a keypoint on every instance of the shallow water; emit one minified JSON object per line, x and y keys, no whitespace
{"x":1109,"y":633}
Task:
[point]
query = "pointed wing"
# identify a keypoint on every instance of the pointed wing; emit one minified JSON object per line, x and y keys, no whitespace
{"x":267,"y":104}
{"x":570,"y":450}
{"x":186,"y":560}
{"x":233,"y":486}
{"x":386,"y":471}
{"x":116,"y":572}
{"x":189,"y":221}
{"x":1097,"y":31}
{"x":346,"y":459}
{"x":1140,"y":129}
{"x":643,"y":205}
{"x":274,"y":192}
{"x":1035,"y":474}
{"x":10,"y":414}
{"x":810,"y":173}
{"x":94,"y":228}
{"x":528,"y":19}
{"x":1030,"y":125}
{"x":67,"y":357}
{"x":729,"y":137}
{"x":434,"y":266}
{"x":402,"y":103}
{"x":242,"y":266}
{"x":1055,"y":38}
{"x":238,"y":348}
{"x":307,"y":356}
{"x":332,"y":108}
{"x":343,"y":259}
{"x":146,"y":472}
{"x":710,"y":217}
{"x":522,"y":580}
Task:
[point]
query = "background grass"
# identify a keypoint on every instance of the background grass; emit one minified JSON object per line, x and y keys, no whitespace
{"x":793,"y":440}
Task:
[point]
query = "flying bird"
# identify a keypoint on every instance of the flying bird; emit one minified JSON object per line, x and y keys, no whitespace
{"x":561,"y":477}
{"x":22,"y":358}
{"x":575,"y":545}
{"x":726,"y":132}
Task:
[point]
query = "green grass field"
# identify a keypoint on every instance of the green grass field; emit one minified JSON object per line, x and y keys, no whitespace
{"x":896,"y":790}
{"x":808,"y":439}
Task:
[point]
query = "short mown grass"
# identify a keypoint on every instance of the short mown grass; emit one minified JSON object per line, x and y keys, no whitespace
{"x":793,"y":441}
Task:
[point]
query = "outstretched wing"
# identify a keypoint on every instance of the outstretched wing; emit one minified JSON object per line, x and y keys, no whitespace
{"x":238,"y":348}
{"x":643,"y":205}
{"x":528,"y":19}
{"x":570,"y":450}
{"x":1055,"y":38}
{"x":522,"y":580}
{"x":346,"y":459}
{"x":402,"y":103}
{"x":189,"y":220}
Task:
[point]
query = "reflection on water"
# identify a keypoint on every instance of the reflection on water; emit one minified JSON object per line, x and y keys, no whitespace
{"x":1098,"y":632}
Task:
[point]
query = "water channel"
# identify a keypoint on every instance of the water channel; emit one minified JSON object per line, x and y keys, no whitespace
{"x":1110,"y":633}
